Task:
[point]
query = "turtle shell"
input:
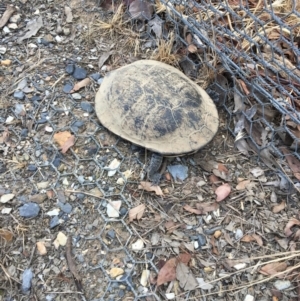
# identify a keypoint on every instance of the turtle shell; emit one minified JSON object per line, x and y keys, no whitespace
{"x":154,"y":105}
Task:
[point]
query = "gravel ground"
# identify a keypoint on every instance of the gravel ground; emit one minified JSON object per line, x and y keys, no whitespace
{"x":72,"y":229}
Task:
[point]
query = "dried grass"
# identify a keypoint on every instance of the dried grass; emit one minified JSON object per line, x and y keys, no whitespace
{"x":164,"y":52}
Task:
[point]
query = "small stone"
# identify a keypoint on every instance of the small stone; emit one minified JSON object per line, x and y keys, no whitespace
{"x":86,"y":106}
{"x":170,"y":296}
{"x":59,"y":39}
{"x":13,"y":26}
{"x":6,"y":29}
{"x":67,"y":88}
{"x":41,"y":248}
{"x":76,"y":96}
{"x":178,"y":172}
{"x":6,"y":210}
{"x":240,"y":266}
{"x":9,"y":119}
{"x":66,"y":31}
{"x":42,"y":185}
{"x":95,"y":76}
{"x":120,"y":181}
{"x":31,"y":167}
{"x":144,"y":278}
{"x":112,"y":209}
{"x":112,"y":167}
{"x":48,"y":129}
{"x":238,"y":234}
{"x":26,"y":280}
{"x":67,"y":208}
{"x":55,"y":221}
{"x":70,"y":68}
{"x":123,"y":211}
{"x":61,"y":240}
{"x":217,"y":234}
{"x":36,"y":98}
{"x":19,"y":109}
{"x":6,"y":63}
{"x":6,"y":198}
{"x":19,"y":95}
{"x":138,"y":245}
{"x":65,"y":181}
{"x":100,"y":80}
{"x":111,"y":234}
{"x":29,"y":210}
{"x":38,"y":198}
{"x":54,"y":212}
{"x":282,"y":284}
{"x":79,"y":73}
{"x":115,"y":272}
{"x":15,"y":18}
{"x":24,"y":133}
{"x":81,"y":179}
{"x":2,"y":49}
{"x":249,"y":298}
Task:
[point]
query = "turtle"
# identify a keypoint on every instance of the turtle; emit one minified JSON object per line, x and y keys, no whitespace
{"x":155,"y":106}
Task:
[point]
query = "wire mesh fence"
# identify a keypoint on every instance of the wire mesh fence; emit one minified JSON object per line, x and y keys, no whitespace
{"x":251,"y":52}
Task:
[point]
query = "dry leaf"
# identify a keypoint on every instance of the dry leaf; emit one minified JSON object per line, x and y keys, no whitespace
{"x":279,"y":207}
{"x":32,"y":27}
{"x":214,"y":248}
{"x":287,"y":230}
{"x":273,"y":268}
{"x":252,"y":237}
{"x":65,"y":140}
{"x":148,"y":186}
{"x":292,"y":161}
{"x":140,"y":9}
{"x":5,"y":234}
{"x":167,"y":272}
{"x":83,"y":83}
{"x":207,"y":207}
{"x":192,"y":48}
{"x":136,"y":212}
{"x":184,"y":258}
{"x":243,"y":185}
{"x":192,"y":210}
{"x":186,"y":279}
{"x":171,"y":226}
{"x":222,"y":192}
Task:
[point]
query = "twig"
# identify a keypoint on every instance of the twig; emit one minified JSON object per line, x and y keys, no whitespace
{"x":7,"y":14}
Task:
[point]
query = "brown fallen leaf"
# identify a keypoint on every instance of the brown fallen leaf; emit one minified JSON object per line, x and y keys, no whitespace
{"x":207,"y":207}
{"x":186,"y":278}
{"x":222,"y":192}
{"x":279,"y":207}
{"x":136,"y":212}
{"x":192,"y":48}
{"x":292,"y":161}
{"x":83,"y":83}
{"x":192,"y":210}
{"x":273,"y":268}
{"x":148,"y":186}
{"x":10,"y":9}
{"x":292,"y":222}
{"x":214,"y":247}
{"x":171,"y":226}
{"x":168,"y":272}
{"x":65,"y":140}
{"x":243,"y":185}
{"x":184,"y":258}
{"x":252,"y":237}
{"x":6,"y":234}
{"x":213,"y":179}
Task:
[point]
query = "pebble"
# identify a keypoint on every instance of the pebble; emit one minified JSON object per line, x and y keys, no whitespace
{"x":79,"y":73}
{"x":123,"y":211}
{"x":42,"y":185}
{"x":36,"y":98}
{"x":179,"y":172}
{"x":86,"y":106}
{"x":115,"y":272}
{"x":41,"y":248}
{"x":70,"y":68}
{"x":149,"y":255}
{"x":31,"y":167}
{"x":56,"y":162}
{"x":19,"y":108}
{"x":2,"y":49}
{"x":6,"y":210}
{"x":113,"y":210}
{"x":6,"y":198}
{"x":26,"y":280}
{"x":100,"y":80}
{"x":76,"y":96}
{"x":55,"y":221}
{"x":282,"y":284}
{"x":144,"y":278}
{"x":6,"y":29}
{"x":66,"y":208}
{"x":95,"y":76}
{"x":112,"y":167}
{"x":29,"y":210}
{"x":249,"y":298}
{"x":170,"y":296}
{"x":238,"y":234}
{"x":19,"y":95}
{"x":54,"y":212}
{"x":138,"y":245}
{"x":81,"y":179}
{"x":67,"y":88}
{"x":24,"y":133}
{"x":9,"y":119}
{"x":111,"y":234}
{"x":61,"y":240}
